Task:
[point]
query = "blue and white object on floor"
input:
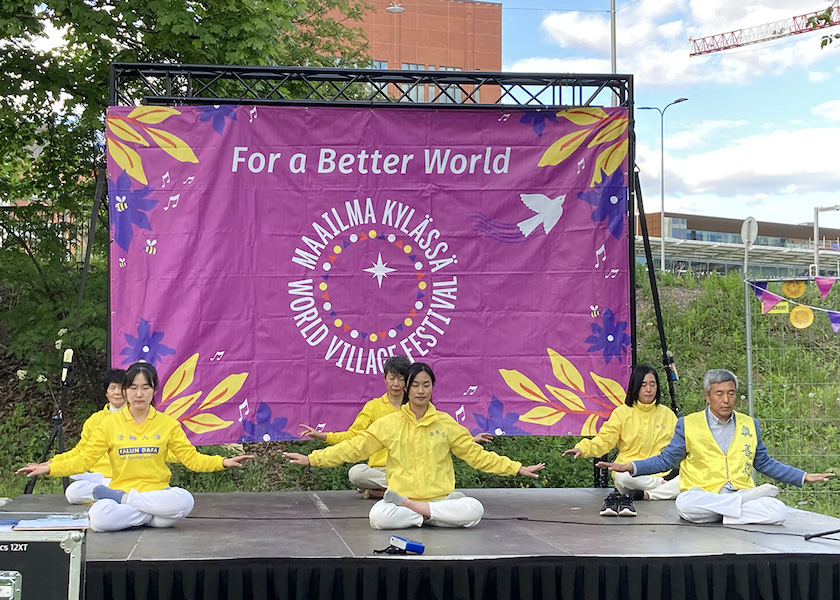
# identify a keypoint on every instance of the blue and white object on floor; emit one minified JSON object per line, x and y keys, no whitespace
{"x":407,"y":545}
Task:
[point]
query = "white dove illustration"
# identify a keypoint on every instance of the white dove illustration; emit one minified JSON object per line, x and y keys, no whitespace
{"x":549,"y":211}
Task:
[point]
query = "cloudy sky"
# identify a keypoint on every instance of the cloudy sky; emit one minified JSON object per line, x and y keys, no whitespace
{"x":760,"y":133}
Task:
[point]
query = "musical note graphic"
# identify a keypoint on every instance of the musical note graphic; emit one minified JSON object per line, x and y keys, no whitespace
{"x":166,"y":179}
{"x":246,"y":407}
{"x":470,"y":390}
{"x":598,"y":252}
{"x":218,"y":356}
{"x":173,"y":202}
{"x":581,"y":165}
{"x":611,"y":274}
{"x":320,"y":426}
{"x":504,"y":117}
{"x":461,"y":414}
{"x":252,"y":115}
{"x":189,"y":179}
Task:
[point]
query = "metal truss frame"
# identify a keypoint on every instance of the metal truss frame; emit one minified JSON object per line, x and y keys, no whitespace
{"x":173,"y":84}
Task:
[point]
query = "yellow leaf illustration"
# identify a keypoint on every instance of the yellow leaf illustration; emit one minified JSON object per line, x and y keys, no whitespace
{"x":611,"y":389}
{"x":223,"y":392}
{"x":611,"y":131}
{"x":588,"y":427}
{"x":563,"y":148}
{"x":583,"y":116}
{"x":152,"y":114}
{"x":179,"y":406}
{"x":127,"y":158}
{"x":522,"y":385}
{"x":565,"y":371}
{"x":124,"y":131}
{"x":172,"y":145}
{"x":609,"y":160}
{"x":205,"y":422}
{"x":181,"y":379}
{"x":542,"y":415}
{"x":569,"y":399}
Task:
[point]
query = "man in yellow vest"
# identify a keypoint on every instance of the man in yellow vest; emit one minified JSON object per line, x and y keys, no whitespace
{"x":716,"y":450}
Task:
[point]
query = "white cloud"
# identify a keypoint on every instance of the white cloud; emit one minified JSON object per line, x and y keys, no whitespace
{"x":818,"y":76}
{"x":830,"y":111}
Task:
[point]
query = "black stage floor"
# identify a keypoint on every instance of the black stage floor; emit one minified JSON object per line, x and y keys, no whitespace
{"x":532,"y":543}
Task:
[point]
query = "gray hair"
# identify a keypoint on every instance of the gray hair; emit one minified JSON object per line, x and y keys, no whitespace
{"x":718,"y":376}
{"x":397,"y":364}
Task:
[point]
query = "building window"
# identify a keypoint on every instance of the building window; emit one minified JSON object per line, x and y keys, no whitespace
{"x":449,"y":93}
{"x":417,"y":93}
{"x":380,"y":64}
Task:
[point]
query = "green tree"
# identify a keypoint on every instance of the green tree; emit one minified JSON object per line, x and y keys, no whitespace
{"x":53,"y":97}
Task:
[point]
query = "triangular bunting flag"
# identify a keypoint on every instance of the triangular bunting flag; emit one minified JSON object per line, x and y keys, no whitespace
{"x":333,"y":313}
{"x":325,"y":295}
{"x":398,"y":244}
{"x":824,"y":284}
{"x":346,"y":328}
{"x":346,"y":243}
{"x":834,"y":317}
{"x":325,"y":276}
{"x":400,"y":327}
{"x":413,"y":257}
{"x":759,"y":287}
{"x":420,"y":295}
{"x":768,"y":300}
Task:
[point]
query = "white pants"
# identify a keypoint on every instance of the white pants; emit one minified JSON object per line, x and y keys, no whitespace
{"x":456,"y":510}
{"x":656,"y":487}
{"x":81,"y":490}
{"x":162,"y":508}
{"x":699,"y":506}
{"x":367,"y":478}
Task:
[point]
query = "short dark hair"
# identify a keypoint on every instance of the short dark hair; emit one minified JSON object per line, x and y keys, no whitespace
{"x":148,"y":371}
{"x":397,"y":364}
{"x":413,"y":371}
{"x":637,"y":377}
{"x":113,"y":376}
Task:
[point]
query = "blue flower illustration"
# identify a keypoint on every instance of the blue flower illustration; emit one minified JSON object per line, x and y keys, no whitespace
{"x":217,"y":114}
{"x":537,"y":120}
{"x":264,"y":429}
{"x":128,"y":207}
{"x":610,"y":201}
{"x":610,"y":338}
{"x":497,"y":421}
{"x":146,"y":346}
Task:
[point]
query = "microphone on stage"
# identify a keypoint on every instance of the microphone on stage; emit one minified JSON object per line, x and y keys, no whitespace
{"x":67,"y":364}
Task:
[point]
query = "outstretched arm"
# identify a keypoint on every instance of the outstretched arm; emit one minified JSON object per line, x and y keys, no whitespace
{"x":574,"y":452}
{"x":815,"y":477}
{"x":236,"y":461}
{"x":532,"y":470}
{"x":34,"y":469}
{"x":311,"y":433}
{"x":616,"y":467}
{"x":296,"y":459}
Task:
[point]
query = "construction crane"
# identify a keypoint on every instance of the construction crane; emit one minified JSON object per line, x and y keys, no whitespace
{"x":769,"y":31}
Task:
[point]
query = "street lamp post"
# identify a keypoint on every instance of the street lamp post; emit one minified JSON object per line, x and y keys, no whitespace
{"x":817,"y":211}
{"x":662,"y":174}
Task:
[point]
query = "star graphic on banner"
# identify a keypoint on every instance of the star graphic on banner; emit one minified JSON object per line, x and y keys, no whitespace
{"x":379,"y":270}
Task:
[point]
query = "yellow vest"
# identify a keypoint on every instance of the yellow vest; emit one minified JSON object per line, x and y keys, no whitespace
{"x":706,"y":466}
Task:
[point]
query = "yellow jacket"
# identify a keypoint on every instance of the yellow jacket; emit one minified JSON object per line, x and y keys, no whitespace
{"x":103,"y":465}
{"x":419,"y":452}
{"x":373,"y":410}
{"x":137,"y":453}
{"x":640,"y":431}
{"x":706,"y":466}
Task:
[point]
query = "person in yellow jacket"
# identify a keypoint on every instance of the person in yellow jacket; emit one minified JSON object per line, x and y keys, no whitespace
{"x":717,"y":450}
{"x":370,"y":478}
{"x":421,"y":480}
{"x":136,"y":440}
{"x":641,"y":428}
{"x":81,"y":490}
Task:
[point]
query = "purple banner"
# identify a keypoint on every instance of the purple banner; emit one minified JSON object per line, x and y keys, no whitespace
{"x":268,"y":260}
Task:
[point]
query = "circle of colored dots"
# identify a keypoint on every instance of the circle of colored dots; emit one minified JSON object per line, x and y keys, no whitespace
{"x":354,"y":238}
{"x":337,"y":322}
{"x":322,"y":286}
{"x":392,"y":238}
{"x":392,"y":333}
{"x":337,"y":249}
{"x":373,"y":337}
{"x":327,"y":305}
{"x":418,"y":305}
{"x":354,"y":334}
{"x":407,"y":322}
{"x":327,"y":266}
{"x":422,"y":285}
{"x":372,"y":233}
{"x":407,"y":249}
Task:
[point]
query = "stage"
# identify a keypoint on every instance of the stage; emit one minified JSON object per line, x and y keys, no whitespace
{"x":531,"y":544}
